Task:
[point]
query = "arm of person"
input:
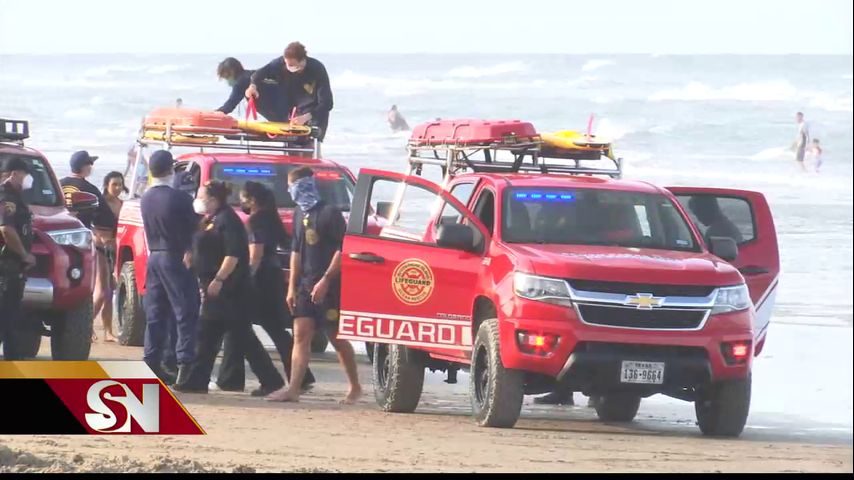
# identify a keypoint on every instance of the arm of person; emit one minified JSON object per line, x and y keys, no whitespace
{"x":237,"y":95}
{"x":225,"y":270}
{"x":293,"y":279}
{"x":334,"y":226}
{"x":13,"y":241}
{"x":324,"y":92}
{"x":256,"y":253}
{"x":272,"y":69}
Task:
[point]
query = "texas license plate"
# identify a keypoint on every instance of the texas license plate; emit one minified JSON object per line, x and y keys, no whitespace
{"x":642,"y":372}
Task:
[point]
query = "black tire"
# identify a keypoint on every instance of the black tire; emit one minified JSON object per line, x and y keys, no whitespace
{"x":496,"y":392}
{"x":319,"y":342}
{"x":369,"y":348}
{"x":129,"y":321}
{"x":722,"y":408}
{"x":618,"y":407}
{"x":71,"y":333}
{"x":397,"y":381}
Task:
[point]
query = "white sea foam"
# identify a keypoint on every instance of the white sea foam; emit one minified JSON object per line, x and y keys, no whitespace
{"x":611,"y":130}
{"x":397,"y":86}
{"x":831,"y":103}
{"x":167,"y":69}
{"x":591,"y":65}
{"x":490,"y":71}
{"x":78,"y":113}
{"x":746,"y":92}
{"x":107,"y":70}
{"x":774,"y":153}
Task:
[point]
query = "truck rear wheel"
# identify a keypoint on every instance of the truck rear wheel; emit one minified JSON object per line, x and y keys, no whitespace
{"x":722,"y":408}
{"x":71,"y":333}
{"x":618,"y":407}
{"x":398,"y":381}
{"x":496,"y":392}
{"x":129,"y":323}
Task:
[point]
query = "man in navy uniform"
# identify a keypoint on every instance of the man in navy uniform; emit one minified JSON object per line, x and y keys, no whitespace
{"x":16,"y":237}
{"x":172,"y":292}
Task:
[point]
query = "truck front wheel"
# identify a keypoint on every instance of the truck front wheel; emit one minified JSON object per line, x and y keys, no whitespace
{"x":129,"y":324}
{"x":398,"y":380}
{"x":619,"y":407}
{"x":71,"y":333}
{"x":722,"y":408}
{"x":496,"y":392}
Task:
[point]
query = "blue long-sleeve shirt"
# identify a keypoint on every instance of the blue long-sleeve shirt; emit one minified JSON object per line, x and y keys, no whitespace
{"x":168,"y":219}
{"x":272,"y":102}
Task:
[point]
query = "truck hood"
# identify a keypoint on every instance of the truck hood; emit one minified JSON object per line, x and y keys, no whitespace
{"x":48,"y":219}
{"x":621,"y":264}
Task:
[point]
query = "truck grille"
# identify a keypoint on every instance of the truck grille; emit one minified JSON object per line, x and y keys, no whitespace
{"x":633,"y":288}
{"x":630,"y":317}
{"x":643,"y":351}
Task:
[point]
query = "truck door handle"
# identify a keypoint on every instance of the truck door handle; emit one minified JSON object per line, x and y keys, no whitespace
{"x":753,"y":270}
{"x":367,"y":257}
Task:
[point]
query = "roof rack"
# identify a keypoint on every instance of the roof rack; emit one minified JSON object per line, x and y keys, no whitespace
{"x":14,"y":131}
{"x":529,"y":155}
{"x":211,"y":139}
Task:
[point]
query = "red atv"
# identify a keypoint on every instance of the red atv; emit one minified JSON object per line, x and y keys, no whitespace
{"x":536,"y":266}
{"x":58,"y":293}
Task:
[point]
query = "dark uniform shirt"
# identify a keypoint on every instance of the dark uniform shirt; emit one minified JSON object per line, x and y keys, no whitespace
{"x":14,"y":212}
{"x":271,"y":101}
{"x":318,"y":234}
{"x":265,"y":228}
{"x":102,"y":216}
{"x":168,"y":219}
{"x":309,"y":90}
{"x":221,"y":235}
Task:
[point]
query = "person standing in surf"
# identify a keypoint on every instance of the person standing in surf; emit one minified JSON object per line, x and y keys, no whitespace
{"x":801,"y":140}
{"x":396,"y":120}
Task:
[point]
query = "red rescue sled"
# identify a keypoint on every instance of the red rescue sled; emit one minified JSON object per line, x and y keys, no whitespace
{"x":472,"y":132}
{"x":189,"y":120}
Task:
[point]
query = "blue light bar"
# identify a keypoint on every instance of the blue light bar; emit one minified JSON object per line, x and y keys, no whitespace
{"x":547,"y":197}
{"x":249,"y":171}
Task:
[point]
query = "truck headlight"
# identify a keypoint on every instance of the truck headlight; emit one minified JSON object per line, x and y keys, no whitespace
{"x":543,"y":289}
{"x":732,"y":299}
{"x":80,"y":238}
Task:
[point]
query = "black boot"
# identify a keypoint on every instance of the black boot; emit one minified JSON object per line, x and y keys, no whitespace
{"x":170,"y":370}
{"x":164,"y":376}
{"x":556,"y":398}
{"x":184,"y":382}
{"x":264,"y":390}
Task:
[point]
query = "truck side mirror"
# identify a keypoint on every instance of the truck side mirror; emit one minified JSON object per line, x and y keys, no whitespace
{"x":724,"y":247}
{"x":79,"y":202}
{"x":384,"y":209}
{"x":456,"y":236}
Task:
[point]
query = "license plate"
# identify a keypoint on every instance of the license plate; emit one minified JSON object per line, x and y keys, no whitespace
{"x":642,"y":372}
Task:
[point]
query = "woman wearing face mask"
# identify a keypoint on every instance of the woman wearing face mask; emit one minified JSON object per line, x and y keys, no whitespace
{"x":266,"y":235}
{"x":271,"y":106}
{"x":220,"y":258}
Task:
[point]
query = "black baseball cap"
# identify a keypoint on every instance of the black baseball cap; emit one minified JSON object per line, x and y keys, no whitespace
{"x":160,"y":164}
{"x":80,"y":159}
{"x":15,"y":164}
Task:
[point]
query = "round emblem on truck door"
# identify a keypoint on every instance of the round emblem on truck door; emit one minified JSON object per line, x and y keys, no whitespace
{"x":412,"y":281}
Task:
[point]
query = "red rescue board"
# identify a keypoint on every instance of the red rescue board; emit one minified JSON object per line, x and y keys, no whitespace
{"x":471,"y":132}
{"x":190,"y":120}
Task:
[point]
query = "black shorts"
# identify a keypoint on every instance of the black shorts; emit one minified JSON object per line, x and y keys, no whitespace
{"x":325,"y":314}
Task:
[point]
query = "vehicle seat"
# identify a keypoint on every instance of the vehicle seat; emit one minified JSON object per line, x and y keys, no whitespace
{"x":622,"y":224}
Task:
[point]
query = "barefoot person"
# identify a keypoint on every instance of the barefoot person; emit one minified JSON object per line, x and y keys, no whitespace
{"x":114,"y":186}
{"x":315,"y":283}
{"x":801,"y":140}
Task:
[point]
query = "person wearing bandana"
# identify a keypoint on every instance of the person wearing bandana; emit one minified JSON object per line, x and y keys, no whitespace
{"x":314,"y":289}
{"x":271,"y":102}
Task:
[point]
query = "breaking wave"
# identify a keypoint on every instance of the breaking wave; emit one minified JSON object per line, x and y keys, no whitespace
{"x":591,"y":65}
{"x":491,"y":71}
{"x":744,"y":92}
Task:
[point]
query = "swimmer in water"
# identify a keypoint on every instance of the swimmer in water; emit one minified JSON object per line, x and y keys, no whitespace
{"x":815,"y":153}
{"x":396,"y":120}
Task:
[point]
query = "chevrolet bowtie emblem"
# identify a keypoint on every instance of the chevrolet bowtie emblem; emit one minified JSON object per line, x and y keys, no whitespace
{"x":644,"y":301}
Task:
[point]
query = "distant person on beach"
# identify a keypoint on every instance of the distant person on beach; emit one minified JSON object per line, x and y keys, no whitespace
{"x":303,"y":81}
{"x":801,"y":140}
{"x":396,"y":120}
{"x":179,"y":103}
{"x":709,"y":213}
{"x":270,"y":102}
{"x":815,"y":153}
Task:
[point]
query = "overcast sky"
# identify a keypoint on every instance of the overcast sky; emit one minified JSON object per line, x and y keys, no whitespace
{"x":438,"y":26}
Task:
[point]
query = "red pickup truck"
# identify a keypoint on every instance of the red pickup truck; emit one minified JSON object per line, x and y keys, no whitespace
{"x":58,"y":292}
{"x":539,"y":269}
{"x":263,"y":160}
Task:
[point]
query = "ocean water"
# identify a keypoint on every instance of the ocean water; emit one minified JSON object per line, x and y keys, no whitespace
{"x":676,"y":120}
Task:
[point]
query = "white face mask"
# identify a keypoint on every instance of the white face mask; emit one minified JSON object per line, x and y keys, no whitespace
{"x":27,"y":183}
{"x":295,"y":68}
{"x":200,"y":207}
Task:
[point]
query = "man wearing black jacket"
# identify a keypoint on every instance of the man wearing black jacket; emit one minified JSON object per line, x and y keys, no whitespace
{"x":271,"y":103}
{"x":303,"y":81}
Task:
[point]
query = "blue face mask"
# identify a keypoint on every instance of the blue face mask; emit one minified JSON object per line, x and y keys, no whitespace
{"x":304,"y":192}
{"x":231,"y":82}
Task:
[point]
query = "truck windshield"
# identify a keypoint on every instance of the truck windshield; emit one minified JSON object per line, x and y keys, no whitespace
{"x":44,"y":192}
{"x":335,"y":186}
{"x":594,"y":217}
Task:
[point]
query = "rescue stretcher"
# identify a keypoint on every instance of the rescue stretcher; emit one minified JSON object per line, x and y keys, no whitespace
{"x":458,"y":146}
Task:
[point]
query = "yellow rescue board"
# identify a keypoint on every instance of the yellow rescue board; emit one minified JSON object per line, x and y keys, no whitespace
{"x":572,"y":140}
{"x":273,"y":128}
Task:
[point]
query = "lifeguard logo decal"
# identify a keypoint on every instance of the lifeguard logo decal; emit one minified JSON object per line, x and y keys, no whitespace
{"x":412,"y":281}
